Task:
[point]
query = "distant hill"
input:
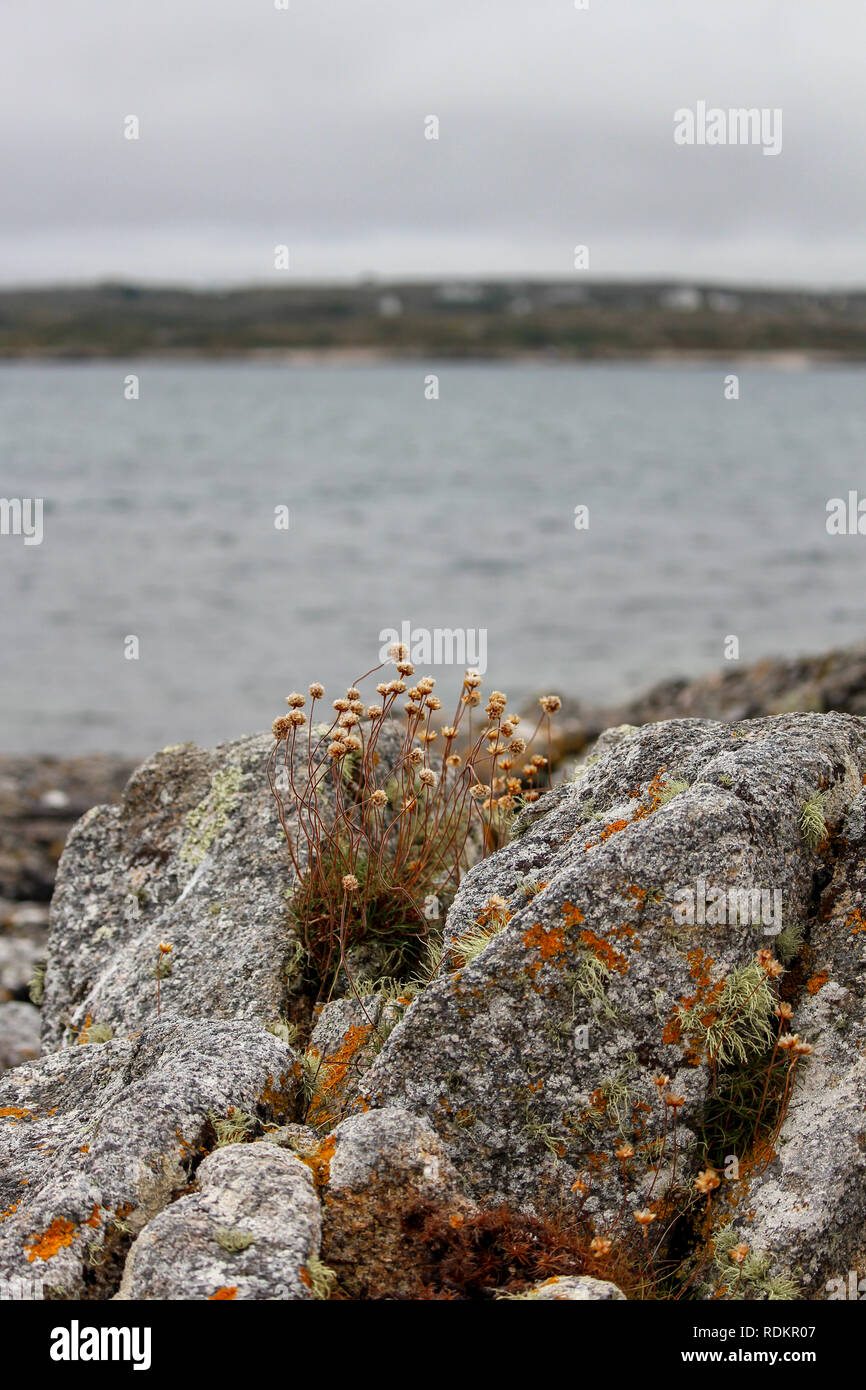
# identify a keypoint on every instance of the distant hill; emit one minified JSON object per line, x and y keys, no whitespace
{"x":461,"y":318}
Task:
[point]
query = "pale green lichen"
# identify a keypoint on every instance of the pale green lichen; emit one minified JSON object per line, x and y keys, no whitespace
{"x":211,"y":816}
{"x":740,"y":1022}
{"x":669,"y":791}
{"x":322,"y":1279}
{"x":286,"y":1032}
{"x":233,"y":1128}
{"x":232,"y":1239}
{"x":97,"y":1033}
{"x":789,"y":942}
{"x":749,"y":1279}
{"x":36,"y":987}
{"x":813,"y":826}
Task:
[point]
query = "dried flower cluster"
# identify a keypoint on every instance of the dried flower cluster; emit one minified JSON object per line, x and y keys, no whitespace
{"x":383,"y":811}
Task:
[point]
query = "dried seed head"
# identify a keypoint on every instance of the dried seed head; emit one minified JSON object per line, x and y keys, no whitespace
{"x":406,"y":668}
{"x":398,"y":651}
{"x":769,"y":964}
{"x":550,"y":703}
{"x":341,"y":705}
{"x":295,"y":700}
{"x":297,"y":718}
{"x":427,"y":776}
{"x":350,"y":883}
{"x":317,"y":690}
{"x":707,"y":1181}
{"x":378,"y":798}
{"x":352,"y":693}
{"x":281,"y":728}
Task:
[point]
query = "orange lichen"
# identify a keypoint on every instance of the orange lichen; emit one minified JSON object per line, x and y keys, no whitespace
{"x":818,"y":981}
{"x":573,"y":915}
{"x":60,"y":1233}
{"x":548,"y":943}
{"x":333,"y":1073}
{"x":319,"y":1161}
{"x":225,"y":1293}
{"x":13,"y":1113}
{"x":855,"y":920}
{"x":603,"y":951}
{"x":655,"y":795}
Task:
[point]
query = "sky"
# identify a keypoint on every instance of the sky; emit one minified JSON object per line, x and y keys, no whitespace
{"x":305,"y":127}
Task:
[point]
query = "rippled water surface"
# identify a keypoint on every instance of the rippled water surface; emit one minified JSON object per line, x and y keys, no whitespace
{"x":707,"y":518}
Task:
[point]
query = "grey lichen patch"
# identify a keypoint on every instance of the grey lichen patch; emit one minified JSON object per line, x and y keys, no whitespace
{"x":207,"y":820}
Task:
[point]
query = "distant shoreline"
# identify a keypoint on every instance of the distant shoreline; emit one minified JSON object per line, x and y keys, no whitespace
{"x":789,"y":359}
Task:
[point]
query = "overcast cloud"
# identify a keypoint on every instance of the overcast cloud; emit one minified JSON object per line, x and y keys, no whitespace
{"x":306,"y":127}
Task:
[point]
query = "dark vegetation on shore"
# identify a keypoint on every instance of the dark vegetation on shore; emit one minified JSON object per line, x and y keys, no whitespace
{"x":574,"y":319}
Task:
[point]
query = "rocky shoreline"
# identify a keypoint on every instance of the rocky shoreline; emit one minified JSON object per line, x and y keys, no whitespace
{"x":192,"y":1132}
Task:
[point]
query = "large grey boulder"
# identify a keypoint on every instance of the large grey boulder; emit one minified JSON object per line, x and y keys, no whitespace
{"x":193,"y":857}
{"x":250,"y":1230}
{"x":95,"y":1140}
{"x":373,"y":1172}
{"x":538,"y":1058}
{"x":808,"y":1206}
